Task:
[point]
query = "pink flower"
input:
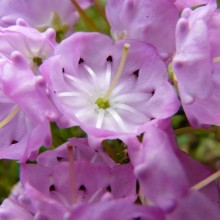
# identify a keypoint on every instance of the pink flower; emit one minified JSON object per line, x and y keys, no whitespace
{"x":47,"y":186}
{"x":42,"y":14}
{"x":196,"y":64}
{"x":181,"y":4}
{"x":25,"y":110}
{"x":81,"y":77}
{"x":151,"y":22}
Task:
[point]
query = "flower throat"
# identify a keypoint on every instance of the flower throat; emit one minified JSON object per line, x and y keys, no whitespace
{"x":103,"y":102}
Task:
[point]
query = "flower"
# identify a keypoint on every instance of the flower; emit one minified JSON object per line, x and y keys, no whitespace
{"x":196,"y":64}
{"x":86,"y":88}
{"x":181,"y":4}
{"x":153,"y":23}
{"x":42,"y":14}
{"x":25,"y":110}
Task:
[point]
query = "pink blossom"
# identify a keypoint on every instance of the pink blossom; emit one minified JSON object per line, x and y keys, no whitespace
{"x":79,"y":81}
{"x":151,"y":22}
{"x":196,"y":64}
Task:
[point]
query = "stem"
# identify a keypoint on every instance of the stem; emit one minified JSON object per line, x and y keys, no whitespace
{"x":101,"y":11}
{"x":206,"y":181}
{"x":186,"y":130}
{"x":109,"y":149}
{"x":72,"y":173}
{"x":9,"y":117}
{"x":83,"y":15}
{"x":118,"y":73}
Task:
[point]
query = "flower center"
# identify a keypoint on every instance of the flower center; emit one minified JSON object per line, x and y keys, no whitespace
{"x":102,"y":103}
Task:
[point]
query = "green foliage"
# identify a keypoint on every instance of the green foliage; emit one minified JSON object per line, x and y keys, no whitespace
{"x":9,"y":176}
{"x":60,"y":135}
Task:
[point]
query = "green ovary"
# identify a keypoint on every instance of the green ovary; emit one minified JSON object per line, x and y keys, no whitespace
{"x":101,"y":103}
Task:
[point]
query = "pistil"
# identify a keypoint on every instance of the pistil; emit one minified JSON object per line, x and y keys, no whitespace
{"x":206,"y":181}
{"x":72,"y":173}
{"x":216,"y":60}
{"x":118,"y":73}
{"x":9,"y":117}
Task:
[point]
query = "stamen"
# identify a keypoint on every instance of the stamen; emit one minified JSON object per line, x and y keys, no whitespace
{"x":85,"y":87}
{"x":84,"y":16}
{"x":9,"y":117}
{"x":117,"y":118}
{"x":216,"y":60}
{"x":100,"y":118}
{"x":131,"y":110}
{"x":95,"y":195}
{"x":69,"y":94}
{"x":85,"y":111}
{"x":72,"y":173}
{"x":118,"y":89}
{"x":131,"y":97}
{"x":90,"y":71}
{"x":119,"y":71}
{"x":108,"y":74}
{"x":206,"y":181}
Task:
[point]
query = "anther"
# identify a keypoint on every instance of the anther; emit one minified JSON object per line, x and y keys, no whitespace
{"x":82,"y":188}
{"x":136,"y":73}
{"x":14,"y":142}
{"x":109,"y":188}
{"x":59,"y":159}
{"x":52,"y":188}
{"x":81,"y":60}
{"x":119,"y":71}
{"x":109,"y":59}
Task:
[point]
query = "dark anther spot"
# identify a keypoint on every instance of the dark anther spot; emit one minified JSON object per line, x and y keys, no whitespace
{"x":52,"y":188}
{"x":152,"y":119}
{"x":109,"y":188}
{"x":136,"y":73}
{"x":153,"y":92}
{"x":136,"y":218}
{"x":59,"y":158}
{"x":37,"y":60}
{"x":54,"y":92}
{"x":81,"y":60}
{"x":63,"y":70}
{"x":109,"y":59}
{"x":82,"y":188}
{"x":14,"y":142}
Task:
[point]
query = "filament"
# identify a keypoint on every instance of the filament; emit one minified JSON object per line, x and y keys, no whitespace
{"x":119,"y":71}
